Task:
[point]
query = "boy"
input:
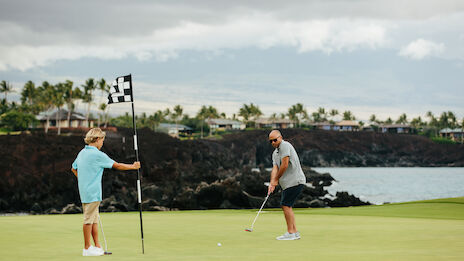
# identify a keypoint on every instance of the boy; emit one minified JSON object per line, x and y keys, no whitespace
{"x":88,"y":168}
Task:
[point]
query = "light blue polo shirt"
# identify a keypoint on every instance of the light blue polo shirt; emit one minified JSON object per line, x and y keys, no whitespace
{"x":89,"y":164}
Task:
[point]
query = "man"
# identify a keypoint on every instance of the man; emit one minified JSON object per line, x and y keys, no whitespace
{"x":88,"y":168}
{"x":287,"y":173}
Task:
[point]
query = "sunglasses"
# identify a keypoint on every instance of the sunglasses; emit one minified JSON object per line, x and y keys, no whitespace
{"x":274,"y":140}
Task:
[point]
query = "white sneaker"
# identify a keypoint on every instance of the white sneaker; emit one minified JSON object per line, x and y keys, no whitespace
{"x":98,"y":249}
{"x":92,"y":251}
{"x":289,"y":236}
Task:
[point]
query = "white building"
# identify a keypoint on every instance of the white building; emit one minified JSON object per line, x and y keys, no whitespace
{"x":225,"y":124}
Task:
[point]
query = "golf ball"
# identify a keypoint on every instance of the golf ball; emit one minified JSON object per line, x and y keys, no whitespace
{"x":219,"y":244}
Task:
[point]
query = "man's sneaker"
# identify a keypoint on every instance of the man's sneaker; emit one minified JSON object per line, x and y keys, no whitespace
{"x":289,"y":236}
{"x":92,"y":251}
{"x":297,"y":234}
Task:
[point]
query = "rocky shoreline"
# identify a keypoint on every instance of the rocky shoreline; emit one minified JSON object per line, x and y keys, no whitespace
{"x":200,"y":174}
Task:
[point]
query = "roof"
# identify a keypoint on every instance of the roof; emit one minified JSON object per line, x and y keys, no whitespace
{"x":448,"y":130}
{"x":173,"y":126}
{"x":62,"y":115}
{"x":325,"y":123}
{"x":389,"y":126}
{"x":223,"y":122}
{"x":272,"y":121}
{"x":347,"y":123}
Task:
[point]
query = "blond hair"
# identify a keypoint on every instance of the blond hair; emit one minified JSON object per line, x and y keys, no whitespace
{"x":93,"y":135}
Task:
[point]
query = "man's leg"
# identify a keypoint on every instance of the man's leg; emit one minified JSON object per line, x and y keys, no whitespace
{"x":95,"y":234}
{"x":290,"y":219}
{"x":87,"y":228}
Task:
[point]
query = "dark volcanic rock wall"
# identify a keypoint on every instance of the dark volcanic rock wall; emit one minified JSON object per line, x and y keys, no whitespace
{"x":356,"y":149}
{"x":35,"y":171}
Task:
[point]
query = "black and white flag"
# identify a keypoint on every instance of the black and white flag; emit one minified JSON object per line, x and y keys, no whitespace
{"x":121,"y":90}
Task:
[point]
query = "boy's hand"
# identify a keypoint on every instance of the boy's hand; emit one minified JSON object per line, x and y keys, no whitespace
{"x":136,"y":165}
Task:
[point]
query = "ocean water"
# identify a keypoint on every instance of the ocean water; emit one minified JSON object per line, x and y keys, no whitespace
{"x":382,"y":185}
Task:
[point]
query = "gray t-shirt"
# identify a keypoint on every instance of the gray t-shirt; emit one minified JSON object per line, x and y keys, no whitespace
{"x":294,"y":174}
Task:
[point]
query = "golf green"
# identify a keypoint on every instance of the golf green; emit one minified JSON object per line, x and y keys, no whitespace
{"x":425,"y":230}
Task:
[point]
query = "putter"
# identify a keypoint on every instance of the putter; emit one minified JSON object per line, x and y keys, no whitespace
{"x":104,"y":238}
{"x":251,"y":229}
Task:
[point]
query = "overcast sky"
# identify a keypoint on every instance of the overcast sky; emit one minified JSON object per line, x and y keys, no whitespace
{"x":370,"y":57}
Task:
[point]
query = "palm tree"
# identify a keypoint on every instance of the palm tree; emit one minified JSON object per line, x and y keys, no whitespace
{"x":316,"y":116}
{"x":178,"y":110}
{"x":87,"y":97}
{"x":245,"y":112}
{"x":447,"y":120}
{"x":273,"y":117}
{"x":102,"y":108}
{"x":167,"y":113}
{"x":6,"y":87}
{"x":403,"y":119}
{"x":416,"y":122}
{"x":389,"y":121}
{"x":373,"y":118}
{"x":69,"y":95}
{"x":156,"y":119}
{"x":29,"y":97}
{"x":58,"y":101}
{"x":431,"y":117}
{"x":255,"y":112}
{"x":46,"y":100}
{"x":332,"y":114}
{"x":322,"y":113}
{"x":297,"y":113}
{"x":348,"y":116}
{"x":250,"y":113}
{"x":207,"y":113}
{"x":201,"y":115}
{"x":104,"y":88}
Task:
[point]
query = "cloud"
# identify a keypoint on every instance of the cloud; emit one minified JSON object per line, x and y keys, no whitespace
{"x":260,"y":30}
{"x":146,"y":30}
{"x":420,"y":48}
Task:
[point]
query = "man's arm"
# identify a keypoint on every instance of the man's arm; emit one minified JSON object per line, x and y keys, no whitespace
{"x":277,"y":173}
{"x":74,"y":171}
{"x":122,"y":166}
{"x":283,"y":167}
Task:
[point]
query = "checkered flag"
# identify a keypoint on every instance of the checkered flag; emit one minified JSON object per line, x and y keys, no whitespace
{"x":121,"y":90}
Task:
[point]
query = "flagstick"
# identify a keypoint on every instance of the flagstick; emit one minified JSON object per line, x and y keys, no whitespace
{"x":138,"y":172}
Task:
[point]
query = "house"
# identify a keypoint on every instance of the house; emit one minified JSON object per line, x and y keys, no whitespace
{"x":346,"y":126}
{"x":395,"y":128}
{"x":453,"y":134}
{"x":76,"y":120}
{"x":274,"y":123}
{"x":322,"y":125}
{"x":174,"y":130}
{"x":225,"y":124}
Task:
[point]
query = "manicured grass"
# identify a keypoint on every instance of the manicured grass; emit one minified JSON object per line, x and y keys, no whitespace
{"x":426,"y":230}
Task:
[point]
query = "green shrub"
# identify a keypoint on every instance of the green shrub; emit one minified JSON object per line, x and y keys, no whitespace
{"x":441,"y":140}
{"x":16,"y":121}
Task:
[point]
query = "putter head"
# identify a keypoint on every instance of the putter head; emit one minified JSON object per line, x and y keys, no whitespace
{"x":108,"y":253}
{"x":248,"y":229}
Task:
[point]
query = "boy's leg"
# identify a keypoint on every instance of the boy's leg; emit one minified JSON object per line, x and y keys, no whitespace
{"x":87,"y":228}
{"x":95,"y":235}
{"x":90,"y":223}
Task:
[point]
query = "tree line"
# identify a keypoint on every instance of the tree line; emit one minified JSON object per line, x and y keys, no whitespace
{"x":49,"y":97}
